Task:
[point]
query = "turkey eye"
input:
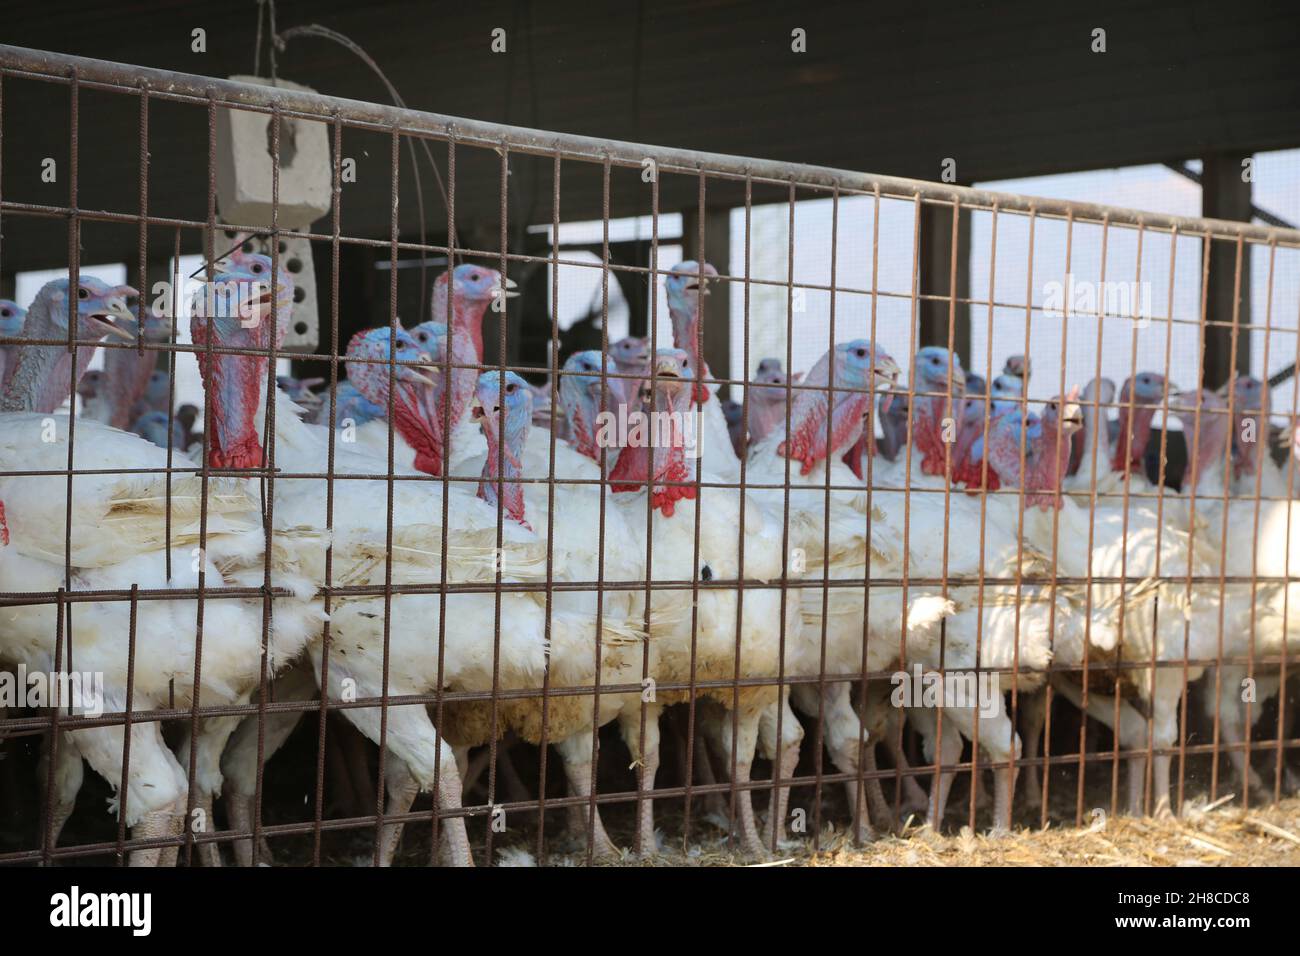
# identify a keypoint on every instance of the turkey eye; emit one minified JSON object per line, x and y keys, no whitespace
{"x":83,"y":293}
{"x":861,"y":353}
{"x":706,"y":573}
{"x":257,"y":269}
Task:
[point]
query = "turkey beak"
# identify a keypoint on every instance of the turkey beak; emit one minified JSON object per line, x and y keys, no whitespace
{"x":667,"y":368}
{"x":1071,"y":418}
{"x":417,"y":378}
{"x":510,"y":287}
{"x":119,"y":320}
{"x":885,"y":370}
{"x":670,"y":375}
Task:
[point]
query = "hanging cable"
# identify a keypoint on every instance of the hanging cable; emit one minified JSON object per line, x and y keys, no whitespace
{"x":280,"y":40}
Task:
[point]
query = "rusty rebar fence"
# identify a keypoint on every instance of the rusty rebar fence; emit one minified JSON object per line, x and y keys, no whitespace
{"x":808,"y":567}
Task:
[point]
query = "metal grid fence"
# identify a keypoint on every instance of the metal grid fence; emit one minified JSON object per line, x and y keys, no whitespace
{"x":457,"y":136}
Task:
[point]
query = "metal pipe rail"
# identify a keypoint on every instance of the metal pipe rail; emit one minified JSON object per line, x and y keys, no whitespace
{"x":168,"y":84}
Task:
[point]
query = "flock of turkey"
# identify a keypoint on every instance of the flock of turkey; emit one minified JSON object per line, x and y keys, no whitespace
{"x":844,"y":522}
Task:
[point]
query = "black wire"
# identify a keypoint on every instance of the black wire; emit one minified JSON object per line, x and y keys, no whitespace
{"x":280,"y":40}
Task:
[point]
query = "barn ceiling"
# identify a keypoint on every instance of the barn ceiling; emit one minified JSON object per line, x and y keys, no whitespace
{"x":1006,"y":89}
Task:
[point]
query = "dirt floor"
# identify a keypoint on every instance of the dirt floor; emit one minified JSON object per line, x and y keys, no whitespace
{"x":1211,"y":831}
{"x":1206,"y":835}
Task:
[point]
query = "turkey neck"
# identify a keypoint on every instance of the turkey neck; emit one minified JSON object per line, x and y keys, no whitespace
{"x":417,"y":414}
{"x":1048,"y":466}
{"x":1081,"y":442}
{"x":581,"y":423}
{"x":688,"y":337}
{"x":1137,"y":434}
{"x":239,"y":420}
{"x":126,"y":377}
{"x":467,"y":319}
{"x":35,"y":365}
{"x":1247,"y":461}
{"x":646,"y":463}
{"x":864,"y":447}
{"x":501,"y":470}
{"x":463,"y":380}
{"x":927,"y":434}
{"x":1206,"y":470}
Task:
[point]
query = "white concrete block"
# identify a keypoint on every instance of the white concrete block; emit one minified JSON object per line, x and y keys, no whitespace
{"x":244,"y":165}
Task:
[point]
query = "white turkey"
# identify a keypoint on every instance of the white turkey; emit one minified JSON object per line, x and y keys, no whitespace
{"x":379,"y":647}
{"x":1260,"y":538}
{"x":841,"y":536}
{"x":979,"y":540}
{"x":726,"y":631}
{"x":586,"y":536}
{"x":134,"y":505}
{"x":1135,"y":621}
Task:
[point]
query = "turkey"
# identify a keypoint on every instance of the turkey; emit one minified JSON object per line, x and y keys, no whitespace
{"x":153,"y":426}
{"x":1004,"y":626}
{"x":841,"y":536}
{"x":367,"y":366}
{"x":367,"y":546}
{"x":350,"y":408}
{"x":981,"y":633}
{"x":1115,"y":621}
{"x":1091,"y":465}
{"x":153,"y":796}
{"x":1261,"y":538}
{"x":92,"y":399}
{"x":473,"y":288}
{"x":968,"y":450}
{"x":452,"y":416}
{"x":101,"y":310}
{"x":581,"y":389}
{"x":133,"y":505}
{"x":1017,"y":367}
{"x":301,"y":391}
{"x":569,"y":518}
{"x":725,"y":633}
{"x":1139,"y":400}
{"x":631,"y":356}
{"x":686,"y":284}
{"x":766,"y":398}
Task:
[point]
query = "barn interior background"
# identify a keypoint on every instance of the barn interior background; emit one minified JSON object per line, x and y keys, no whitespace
{"x":1183,"y":111}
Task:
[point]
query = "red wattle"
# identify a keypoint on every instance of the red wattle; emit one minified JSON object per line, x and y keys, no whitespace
{"x":246,"y":453}
{"x":429,"y":463}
